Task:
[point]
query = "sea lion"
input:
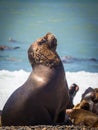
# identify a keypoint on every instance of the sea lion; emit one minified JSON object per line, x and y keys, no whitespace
{"x":83,"y":117}
{"x":82,"y":105}
{"x":91,"y":96}
{"x":72,"y":92}
{"x":88,"y":94}
{"x":43,"y":98}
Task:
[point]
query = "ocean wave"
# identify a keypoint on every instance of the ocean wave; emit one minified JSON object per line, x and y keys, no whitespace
{"x":11,"y":80}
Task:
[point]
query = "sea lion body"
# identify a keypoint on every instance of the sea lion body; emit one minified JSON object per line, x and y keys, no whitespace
{"x":43,"y":98}
{"x":84,"y":117}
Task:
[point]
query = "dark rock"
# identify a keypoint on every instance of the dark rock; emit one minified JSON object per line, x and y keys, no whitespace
{"x":3,"y":47}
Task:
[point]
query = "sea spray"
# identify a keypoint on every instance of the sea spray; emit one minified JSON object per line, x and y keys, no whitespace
{"x":83,"y":80}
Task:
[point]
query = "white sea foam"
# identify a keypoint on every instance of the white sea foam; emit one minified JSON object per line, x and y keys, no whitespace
{"x":83,"y":80}
{"x":9,"y":81}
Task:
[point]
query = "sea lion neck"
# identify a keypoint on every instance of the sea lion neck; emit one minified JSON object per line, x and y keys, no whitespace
{"x":47,"y":66}
{"x":43,"y":56}
{"x":39,"y":69}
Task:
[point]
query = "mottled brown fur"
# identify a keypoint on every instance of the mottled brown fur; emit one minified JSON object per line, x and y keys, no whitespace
{"x":84,"y":117}
{"x":44,"y":53}
{"x":82,"y":105}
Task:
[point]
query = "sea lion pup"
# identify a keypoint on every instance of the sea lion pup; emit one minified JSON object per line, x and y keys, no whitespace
{"x":82,"y":105}
{"x":88,"y":94}
{"x":72,"y":92}
{"x":83,"y":117}
{"x":91,"y":96}
{"x":43,"y":98}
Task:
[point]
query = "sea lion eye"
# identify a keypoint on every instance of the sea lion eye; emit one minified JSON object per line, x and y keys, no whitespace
{"x":42,"y":41}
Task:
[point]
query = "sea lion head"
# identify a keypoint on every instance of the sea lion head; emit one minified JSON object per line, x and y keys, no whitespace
{"x":43,"y":51}
{"x":82,"y":105}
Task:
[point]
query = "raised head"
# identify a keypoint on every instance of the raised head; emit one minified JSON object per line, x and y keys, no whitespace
{"x":43,"y":51}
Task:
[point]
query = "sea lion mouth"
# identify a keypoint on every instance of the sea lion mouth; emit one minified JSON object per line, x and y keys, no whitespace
{"x":43,"y":51}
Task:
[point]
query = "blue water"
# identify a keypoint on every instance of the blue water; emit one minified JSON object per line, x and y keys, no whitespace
{"x":74,"y":22}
